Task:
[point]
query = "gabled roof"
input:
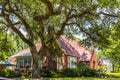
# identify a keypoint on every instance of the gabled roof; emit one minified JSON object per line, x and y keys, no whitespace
{"x":80,"y":51}
{"x":69,"y":46}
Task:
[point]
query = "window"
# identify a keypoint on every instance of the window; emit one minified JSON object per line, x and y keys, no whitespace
{"x":22,"y":62}
{"x":71,"y":62}
{"x":59,"y":63}
{"x":27,"y":61}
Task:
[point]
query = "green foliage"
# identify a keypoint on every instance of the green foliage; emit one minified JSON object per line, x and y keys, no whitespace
{"x":114,"y":44}
{"x":93,"y":27}
{"x":10,"y":44}
{"x":47,"y":20}
{"x":85,"y":70}
{"x":5,"y":42}
{"x":54,"y":74}
{"x":50,"y":73}
{"x":70,"y":72}
{"x":81,"y":70}
{"x":10,"y":73}
{"x":16,"y":74}
{"x":3,"y":57}
{"x":113,"y":75}
{"x":5,"y":72}
{"x":116,"y":68}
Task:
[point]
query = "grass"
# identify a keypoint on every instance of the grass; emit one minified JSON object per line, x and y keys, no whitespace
{"x":85,"y":78}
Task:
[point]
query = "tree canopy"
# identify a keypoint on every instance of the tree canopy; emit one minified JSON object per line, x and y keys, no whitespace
{"x":47,"y":20}
{"x":112,"y":50}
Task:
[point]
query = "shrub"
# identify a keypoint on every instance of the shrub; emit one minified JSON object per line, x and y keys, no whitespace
{"x":16,"y":73}
{"x":10,"y":73}
{"x":85,"y":70}
{"x":6,"y":72}
{"x":54,"y":74}
{"x":113,"y":75}
{"x":70,"y":72}
{"x":50,"y":73}
{"x":90,"y":73}
{"x":81,"y":70}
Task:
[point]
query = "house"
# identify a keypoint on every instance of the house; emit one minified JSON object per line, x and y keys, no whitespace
{"x":73,"y":52}
{"x":5,"y":64}
{"x":107,"y":64}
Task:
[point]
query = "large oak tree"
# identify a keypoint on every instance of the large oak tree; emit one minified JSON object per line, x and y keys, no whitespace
{"x":47,"y":20}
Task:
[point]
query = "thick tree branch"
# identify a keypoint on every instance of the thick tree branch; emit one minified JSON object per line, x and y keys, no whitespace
{"x":80,"y":15}
{"x":9,"y":23}
{"x":27,"y":26}
{"x":85,"y":31}
{"x":16,"y":23}
{"x":97,"y":14}
{"x":68,"y":17}
{"x":41,"y":32}
{"x":50,"y":12}
{"x":49,"y":5}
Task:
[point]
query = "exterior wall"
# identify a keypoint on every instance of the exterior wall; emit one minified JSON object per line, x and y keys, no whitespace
{"x":64,"y":61}
{"x":93,"y":62}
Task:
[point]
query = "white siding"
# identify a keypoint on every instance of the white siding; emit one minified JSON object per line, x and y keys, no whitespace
{"x":109,"y":65}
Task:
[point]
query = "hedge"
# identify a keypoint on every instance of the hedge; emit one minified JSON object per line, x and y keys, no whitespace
{"x":113,"y":75}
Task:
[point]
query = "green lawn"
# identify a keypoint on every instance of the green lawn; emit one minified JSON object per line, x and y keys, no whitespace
{"x":86,"y":78}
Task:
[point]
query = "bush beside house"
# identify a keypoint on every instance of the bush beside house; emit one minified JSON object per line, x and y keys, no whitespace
{"x":10,"y":74}
{"x":5,"y":72}
{"x":113,"y":75}
{"x":80,"y":71}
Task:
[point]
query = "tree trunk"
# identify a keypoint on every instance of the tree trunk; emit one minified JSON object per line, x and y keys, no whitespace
{"x":52,"y":63}
{"x":36,"y":62}
{"x":36,"y":69}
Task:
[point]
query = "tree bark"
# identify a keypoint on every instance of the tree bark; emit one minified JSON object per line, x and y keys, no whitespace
{"x":36,"y":69}
{"x":36,"y":62}
{"x":52,"y":63}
